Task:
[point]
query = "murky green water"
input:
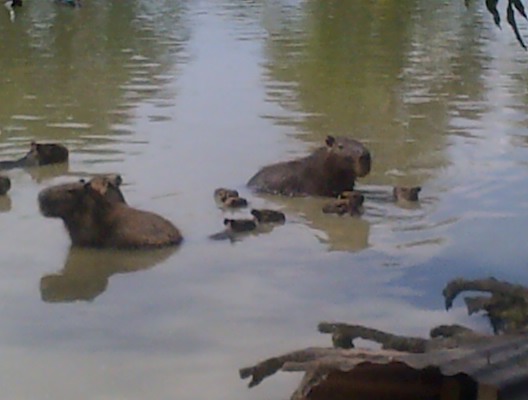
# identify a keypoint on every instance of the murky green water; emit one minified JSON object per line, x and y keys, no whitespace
{"x":181,"y":97}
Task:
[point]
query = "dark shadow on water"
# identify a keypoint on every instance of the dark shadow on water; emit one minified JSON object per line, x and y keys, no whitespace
{"x":47,"y":172}
{"x":5,"y":204}
{"x":86,"y":272}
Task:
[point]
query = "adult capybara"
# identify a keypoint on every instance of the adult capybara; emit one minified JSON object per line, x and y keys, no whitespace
{"x":59,"y":201}
{"x":95,"y":217}
{"x":39,"y":154}
{"x":328,"y":171}
{"x":5,"y":184}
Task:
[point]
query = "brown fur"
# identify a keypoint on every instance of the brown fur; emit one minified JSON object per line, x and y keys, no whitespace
{"x":351,"y":203}
{"x":39,"y":154}
{"x":328,"y":171}
{"x":94,"y":216}
{"x":268,"y":216}
{"x":240,"y":225}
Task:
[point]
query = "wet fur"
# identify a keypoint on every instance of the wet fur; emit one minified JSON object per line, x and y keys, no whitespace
{"x":95,"y":216}
{"x":39,"y":154}
{"x":328,"y":171}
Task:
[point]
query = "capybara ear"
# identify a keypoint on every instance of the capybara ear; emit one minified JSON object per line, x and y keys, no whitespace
{"x":227,"y":221}
{"x":118,"y":180}
{"x":99,"y":185}
{"x":418,"y":189}
{"x":330,"y":140}
{"x":82,"y":180}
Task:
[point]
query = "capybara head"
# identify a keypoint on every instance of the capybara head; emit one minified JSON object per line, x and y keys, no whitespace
{"x":406,"y":193}
{"x":349,"y":152}
{"x":47,"y":153}
{"x":64,"y":200}
{"x":222,"y":194}
{"x":5,"y":184}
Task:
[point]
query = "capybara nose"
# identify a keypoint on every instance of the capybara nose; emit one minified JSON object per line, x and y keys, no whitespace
{"x":364,"y":164}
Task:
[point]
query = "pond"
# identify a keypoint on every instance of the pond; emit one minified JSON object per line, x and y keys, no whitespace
{"x":182,"y":97}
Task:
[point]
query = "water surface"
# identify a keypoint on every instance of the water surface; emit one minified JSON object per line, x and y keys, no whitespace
{"x":181,"y":97}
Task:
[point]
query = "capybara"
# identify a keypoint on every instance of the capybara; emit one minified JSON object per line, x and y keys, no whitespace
{"x":406,"y":193}
{"x":5,"y":184}
{"x":350,"y":202}
{"x":222,"y":194}
{"x":328,"y":171}
{"x":235,"y":202}
{"x":229,"y":198}
{"x":95,"y":217}
{"x":268,"y":216}
{"x":59,"y":201}
{"x":240,"y":225}
{"x":39,"y":154}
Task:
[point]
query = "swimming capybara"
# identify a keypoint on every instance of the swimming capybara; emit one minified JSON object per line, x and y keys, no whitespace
{"x":406,"y":193}
{"x":240,"y":225}
{"x":222,"y":194}
{"x":350,"y":202}
{"x":95,"y":216}
{"x":229,"y":198}
{"x":39,"y":154}
{"x":268,"y":216}
{"x":328,"y":171}
{"x":5,"y":184}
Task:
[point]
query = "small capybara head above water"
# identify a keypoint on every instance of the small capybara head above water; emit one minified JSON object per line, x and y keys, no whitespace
{"x":61,"y":201}
{"x":47,"y":153}
{"x":328,"y":171}
{"x":406,"y":193}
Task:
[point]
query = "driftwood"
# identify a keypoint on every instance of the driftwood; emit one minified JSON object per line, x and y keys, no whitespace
{"x":506,"y":309}
{"x":346,"y":368}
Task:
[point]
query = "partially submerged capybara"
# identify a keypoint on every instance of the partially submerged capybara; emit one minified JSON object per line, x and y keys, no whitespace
{"x":5,"y":184}
{"x":350,"y":202}
{"x":406,"y":193}
{"x":328,"y":171}
{"x":222,"y":194}
{"x":39,"y":154}
{"x":59,"y":201}
{"x":229,"y":198}
{"x":268,"y":216}
{"x":240,"y":225}
{"x":95,"y":216}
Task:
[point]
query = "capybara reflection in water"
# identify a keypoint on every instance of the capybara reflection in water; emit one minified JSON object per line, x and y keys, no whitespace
{"x":39,"y":154}
{"x":406,"y":193}
{"x":350,"y":202}
{"x":5,"y":184}
{"x":328,"y":171}
{"x":96,"y":215}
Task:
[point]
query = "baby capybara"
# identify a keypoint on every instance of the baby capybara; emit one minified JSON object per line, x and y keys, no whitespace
{"x":328,"y":171}
{"x":268,"y":216}
{"x":95,"y":216}
{"x":39,"y":154}
{"x":240,"y":225}
{"x":406,"y":193}
{"x":350,"y":202}
{"x":229,"y":198}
